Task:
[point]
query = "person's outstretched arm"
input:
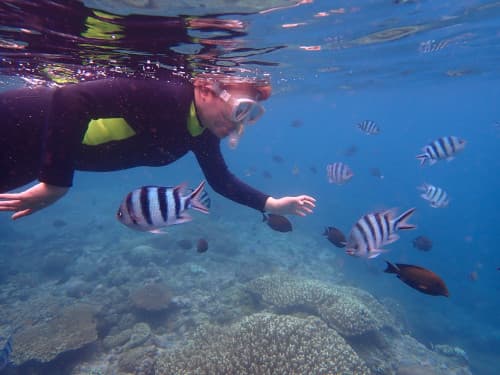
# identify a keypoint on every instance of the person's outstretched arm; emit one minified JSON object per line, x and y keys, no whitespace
{"x":31,"y":200}
{"x":219,"y":177}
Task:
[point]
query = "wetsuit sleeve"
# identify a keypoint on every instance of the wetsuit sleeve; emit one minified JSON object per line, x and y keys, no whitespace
{"x":71,"y":109}
{"x":222,"y":180}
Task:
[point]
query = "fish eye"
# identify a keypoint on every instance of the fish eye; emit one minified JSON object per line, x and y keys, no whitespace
{"x":119,"y":213}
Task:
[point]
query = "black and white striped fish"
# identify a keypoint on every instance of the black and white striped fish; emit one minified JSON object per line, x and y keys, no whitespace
{"x":151,"y":208}
{"x":441,"y":148}
{"x":436,"y":196}
{"x":375,"y":230}
{"x":369,"y":127}
{"x":433,"y":45}
{"x":338,"y":173}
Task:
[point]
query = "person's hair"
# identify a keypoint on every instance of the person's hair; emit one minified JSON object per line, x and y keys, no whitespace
{"x":259,"y":87}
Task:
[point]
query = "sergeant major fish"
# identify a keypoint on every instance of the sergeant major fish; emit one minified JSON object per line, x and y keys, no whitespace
{"x":151,"y":208}
{"x":441,"y":148}
{"x":436,"y":196}
{"x":372,"y":231}
{"x":338,"y":173}
{"x":369,"y":127}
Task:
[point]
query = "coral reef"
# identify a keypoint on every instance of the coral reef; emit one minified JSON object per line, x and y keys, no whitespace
{"x":264,"y":343}
{"x":350,"y":311}
{"x":452,"y":351}
{"x":151,"y":297}
{"x":72,"y":329}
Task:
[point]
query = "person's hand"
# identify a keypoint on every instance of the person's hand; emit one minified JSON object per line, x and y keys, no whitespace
{"x":301,"y":205}
{"x":35,"y":198}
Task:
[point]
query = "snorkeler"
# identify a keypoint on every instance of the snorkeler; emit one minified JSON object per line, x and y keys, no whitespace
{"x":120,"y":123}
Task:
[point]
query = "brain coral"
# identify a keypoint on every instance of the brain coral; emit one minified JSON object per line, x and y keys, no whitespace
{"x":151,"y":297}
{"x":71,"y":330}
{"x":264,"y":343}
{"x":350,"y":311}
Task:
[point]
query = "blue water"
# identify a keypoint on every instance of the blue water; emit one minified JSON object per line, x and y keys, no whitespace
{"x":414,"y":97}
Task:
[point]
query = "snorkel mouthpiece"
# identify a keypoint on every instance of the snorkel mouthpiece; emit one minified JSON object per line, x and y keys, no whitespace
{"x":234,"y":137}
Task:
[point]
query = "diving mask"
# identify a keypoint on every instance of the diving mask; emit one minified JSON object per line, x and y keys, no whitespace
{"x":244,"y":110}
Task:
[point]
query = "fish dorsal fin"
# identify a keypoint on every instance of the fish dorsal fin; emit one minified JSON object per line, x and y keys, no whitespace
{"x":401,"y":266}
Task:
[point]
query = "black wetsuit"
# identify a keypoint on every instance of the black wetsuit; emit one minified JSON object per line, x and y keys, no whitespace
{"x":42,"y":131}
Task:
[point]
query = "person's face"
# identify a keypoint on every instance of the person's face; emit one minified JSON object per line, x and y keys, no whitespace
{"x":217,"y":114}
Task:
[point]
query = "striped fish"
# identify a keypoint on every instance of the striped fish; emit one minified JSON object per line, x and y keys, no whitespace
{"x":436,"y":196}
{"x":338,"y":173}
{"x":369,"y":127}
{"x":372,"y":231}
{"x":441,"y":148}
{"x":433,"y":45}
{"x":5,"y":353}
{"x":151,"y":208}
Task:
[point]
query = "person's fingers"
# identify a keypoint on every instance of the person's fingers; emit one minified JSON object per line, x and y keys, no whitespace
{"x":308,"y":198}
{"x":12,"y":205}
{"x":22,"y":213}
{"x":10,"y":196}
{"x":307,"y":210}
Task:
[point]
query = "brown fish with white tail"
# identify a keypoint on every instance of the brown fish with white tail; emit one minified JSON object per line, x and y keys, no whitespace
{"x":419,"y":278}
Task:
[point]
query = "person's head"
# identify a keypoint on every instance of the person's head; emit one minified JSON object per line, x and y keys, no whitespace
{"x":225,"y":104}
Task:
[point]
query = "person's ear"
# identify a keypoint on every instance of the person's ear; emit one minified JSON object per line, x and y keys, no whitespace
{"x":205,"y":92}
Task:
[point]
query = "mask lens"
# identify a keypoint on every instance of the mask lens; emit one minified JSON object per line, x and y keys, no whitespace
{"x":247,"y":111}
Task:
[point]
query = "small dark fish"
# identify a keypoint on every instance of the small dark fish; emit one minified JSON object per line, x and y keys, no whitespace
{"x":335,"y":236}
{"x":58,"y":223}
{"x":376,"y":172}
{"x":277,"y":222}
{"x":422,"y":243}
{"x":296,"y":123}
{"x":5,"y":353}
{"x":351,"y":151}
{"x":313,"y":169}
{"x":202,"y":245}
{"x":185,"y":244}
{"x":419,"y":278}
{"x":278,"y":159}
{"x":267,"y":174}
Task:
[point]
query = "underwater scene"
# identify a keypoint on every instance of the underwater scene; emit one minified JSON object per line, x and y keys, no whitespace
{"x":347,"y":225}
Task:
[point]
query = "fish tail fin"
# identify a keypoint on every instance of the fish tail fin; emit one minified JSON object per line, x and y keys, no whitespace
{"x":391,"y":268}
{"x":400,"y":221}
{"x":423,"y":158}
{"x":375,"y":253}
{"x":423,"y":187}
{"x":194,"y":200}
